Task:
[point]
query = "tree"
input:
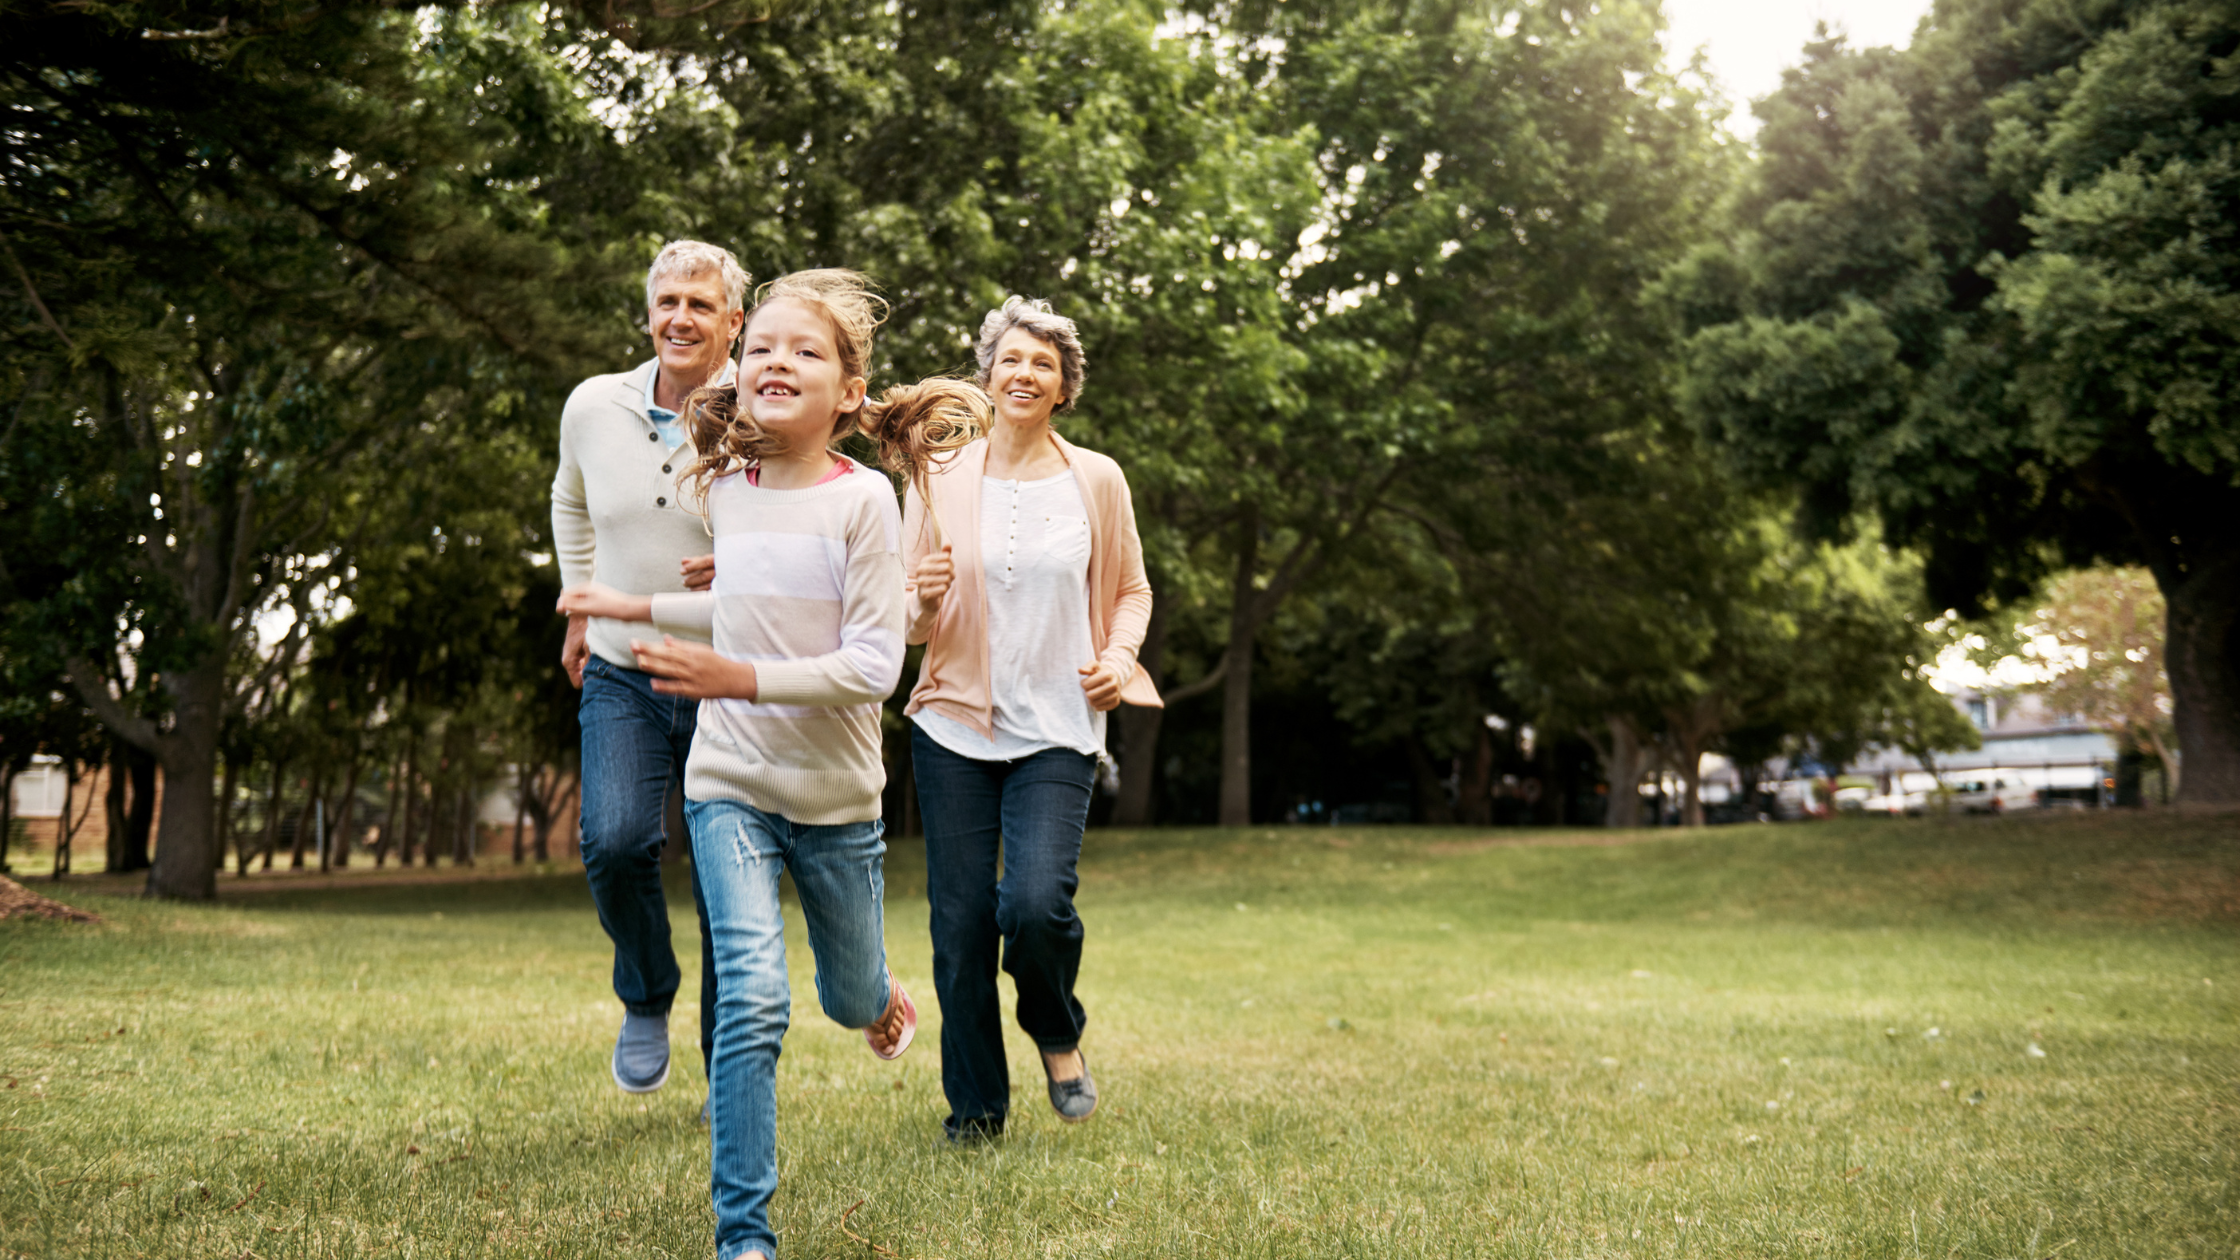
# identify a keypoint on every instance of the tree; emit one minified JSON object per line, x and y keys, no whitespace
{"x":264,"y":266}
{"x":2098,"y":635}
{"x":1459,"y":294}
{"x":1985,"y":287}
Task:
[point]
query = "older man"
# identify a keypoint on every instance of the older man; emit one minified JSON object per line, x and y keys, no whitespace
{"x":616,"y":519}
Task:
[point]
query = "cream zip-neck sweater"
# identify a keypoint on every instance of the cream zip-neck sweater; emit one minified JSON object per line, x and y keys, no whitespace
{"x":616,"y":514}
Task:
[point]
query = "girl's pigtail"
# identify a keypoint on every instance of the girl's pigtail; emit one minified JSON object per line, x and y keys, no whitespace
{"x":726,"y":436}
{"x":915,"y":426}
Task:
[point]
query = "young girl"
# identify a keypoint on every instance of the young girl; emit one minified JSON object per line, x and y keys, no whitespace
{"x":806,"y":616}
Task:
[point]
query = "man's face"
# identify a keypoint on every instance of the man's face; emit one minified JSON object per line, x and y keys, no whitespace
{"x":693,"y":326}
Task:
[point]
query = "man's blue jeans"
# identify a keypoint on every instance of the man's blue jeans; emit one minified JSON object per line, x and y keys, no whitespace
{"x":634,"y":745}
{"x":1031,"y":811}
{"x":838,"y":873}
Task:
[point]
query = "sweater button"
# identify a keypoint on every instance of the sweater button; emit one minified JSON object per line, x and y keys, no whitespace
{"x":653,"y":437}
{"x":661,"y":502}
{"x":664,"y":468}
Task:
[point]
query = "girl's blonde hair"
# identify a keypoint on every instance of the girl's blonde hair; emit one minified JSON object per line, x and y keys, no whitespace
{"x":910,"y":425}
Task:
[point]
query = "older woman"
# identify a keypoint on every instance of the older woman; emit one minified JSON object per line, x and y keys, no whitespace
{"x":1028,"y":590}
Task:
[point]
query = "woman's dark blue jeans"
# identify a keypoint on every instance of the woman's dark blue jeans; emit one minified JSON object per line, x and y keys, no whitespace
{"x":1030,"y":812}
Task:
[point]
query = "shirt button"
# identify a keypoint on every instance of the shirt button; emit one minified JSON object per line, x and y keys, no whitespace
{"x":661,"y":502}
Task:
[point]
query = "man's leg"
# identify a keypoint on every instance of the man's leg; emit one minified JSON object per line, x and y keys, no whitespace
{"x":628,"y":762}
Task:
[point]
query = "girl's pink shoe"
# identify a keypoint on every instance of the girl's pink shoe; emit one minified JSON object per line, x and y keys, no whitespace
{"x":899,"y":997}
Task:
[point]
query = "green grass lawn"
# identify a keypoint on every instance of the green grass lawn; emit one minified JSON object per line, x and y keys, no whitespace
{"x":1980,"y":1038}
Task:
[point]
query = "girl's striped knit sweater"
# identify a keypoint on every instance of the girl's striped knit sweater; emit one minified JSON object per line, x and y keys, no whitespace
{"x":808,"y":586}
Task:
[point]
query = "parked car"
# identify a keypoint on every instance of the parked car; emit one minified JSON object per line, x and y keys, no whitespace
{"x":1992,"y":796}
{"x":1895,"y":804}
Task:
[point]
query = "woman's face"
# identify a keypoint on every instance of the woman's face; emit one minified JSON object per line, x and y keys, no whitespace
{"x":1025,"y":378}
{"x":790,"y":374}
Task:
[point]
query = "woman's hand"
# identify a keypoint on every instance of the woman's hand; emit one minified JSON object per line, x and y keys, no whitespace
{"x":699,"y":572}
{"x":694,"y":670}
{"x":596,"y":599}
{"x":1102,"y":687}
{"x":935,"y":573}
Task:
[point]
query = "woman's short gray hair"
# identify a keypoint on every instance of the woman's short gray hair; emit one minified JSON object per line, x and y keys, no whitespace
{"x":1034,"y":316}
{"x":687,"y":259}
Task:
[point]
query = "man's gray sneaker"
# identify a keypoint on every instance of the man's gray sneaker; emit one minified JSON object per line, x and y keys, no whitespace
{"x":1073,"y":1099}
{"x":641,"y":1054}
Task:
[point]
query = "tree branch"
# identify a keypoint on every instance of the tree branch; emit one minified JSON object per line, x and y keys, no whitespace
{"x":92,"y":686}
{"x":32,"y":291}
{"x":1212,"y":679}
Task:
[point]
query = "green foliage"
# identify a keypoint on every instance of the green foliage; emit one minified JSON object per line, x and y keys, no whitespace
{"x":1985,"y":288}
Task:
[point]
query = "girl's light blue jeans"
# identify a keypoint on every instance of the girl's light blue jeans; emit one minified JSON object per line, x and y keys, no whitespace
{"x":739,"y":852}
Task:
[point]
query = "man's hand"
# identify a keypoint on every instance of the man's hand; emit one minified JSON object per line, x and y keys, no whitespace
{"x":699,"y":572}
{"x":575,"y":653}
{"x":933,"y":576}
{"x":694,"y":670}
{"x":1103,"y":689}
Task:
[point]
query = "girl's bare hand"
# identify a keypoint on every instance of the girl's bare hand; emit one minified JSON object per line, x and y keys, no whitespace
{"x":1101,"y":686}
{"x":699,"y":572}
{"x":933,"y":576}
{"x":596,"y":599}
{"x":694,"y":670}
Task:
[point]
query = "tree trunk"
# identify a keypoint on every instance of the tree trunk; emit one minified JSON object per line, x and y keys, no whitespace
{"x":1236,"y":686}
{"x":272,"y":813}
{"x":114,"y":810}
{"x":8,"y":774}
{"x":307,"y":820}
{"x":463,"y":835}
{"x":184,"y":866}
{"x":139,"y":824}
{"x":2201,"y":646}
{"x":409,"y":811}
{"x":1622,"y":764}
{"x":340,"y":817}
{"x":1474,"y":790}
{"x":522,"y":777}
{"x":66,"y":831}
{"x":222,"y":816}
{"x":1691,"y":787}
{"x":1432,"y":805}
{"x":389,"y":815}
{"x":1139,"y":729}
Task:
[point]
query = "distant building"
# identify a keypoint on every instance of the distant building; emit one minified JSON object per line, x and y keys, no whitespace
{"x":2023,"y":741}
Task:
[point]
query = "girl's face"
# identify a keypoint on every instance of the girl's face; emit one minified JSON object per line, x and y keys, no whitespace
{"x":1025,"y":378}
{"x":790,"y":375}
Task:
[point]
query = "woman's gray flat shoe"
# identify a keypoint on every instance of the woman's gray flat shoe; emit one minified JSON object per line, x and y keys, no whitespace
{"x":1076,"y":1099}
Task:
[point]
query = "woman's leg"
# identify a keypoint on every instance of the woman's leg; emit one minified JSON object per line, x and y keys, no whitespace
{"x":961,"y":802}
{"x":1045,"y":808}
{"x":740,"y":851}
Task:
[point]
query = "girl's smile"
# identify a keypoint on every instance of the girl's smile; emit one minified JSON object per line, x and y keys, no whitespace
{"x":791,"y":363}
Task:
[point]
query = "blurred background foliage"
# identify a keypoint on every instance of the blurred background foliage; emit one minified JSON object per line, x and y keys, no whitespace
{"x":1492,"y":414}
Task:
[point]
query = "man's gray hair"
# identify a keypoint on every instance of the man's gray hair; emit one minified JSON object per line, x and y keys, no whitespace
{"x":687,"y":259}
{"x":1034,"y":316}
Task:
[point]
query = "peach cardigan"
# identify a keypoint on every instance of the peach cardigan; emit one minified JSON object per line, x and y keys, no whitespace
{"x":953,"y":680}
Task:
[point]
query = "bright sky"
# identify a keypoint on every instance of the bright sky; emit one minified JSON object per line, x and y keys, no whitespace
{"x":1750,"y":41}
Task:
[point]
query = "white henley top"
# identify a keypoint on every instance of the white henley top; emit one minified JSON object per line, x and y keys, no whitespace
{"x":1034,"y":540}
